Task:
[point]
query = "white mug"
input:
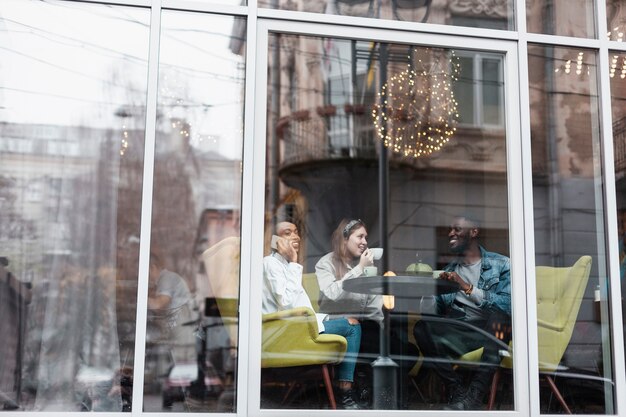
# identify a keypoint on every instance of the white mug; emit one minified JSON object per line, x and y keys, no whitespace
{"x":370,"y":271}
{"x":377,"y":253}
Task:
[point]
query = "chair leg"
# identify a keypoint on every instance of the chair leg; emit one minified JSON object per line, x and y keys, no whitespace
{"x":329,"y":387}
{"x":494,"y":389}
{"x":292,"y":385}
{"x":557,"y":393}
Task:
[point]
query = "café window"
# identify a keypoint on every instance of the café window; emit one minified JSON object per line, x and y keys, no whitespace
{"x":328,"y":253}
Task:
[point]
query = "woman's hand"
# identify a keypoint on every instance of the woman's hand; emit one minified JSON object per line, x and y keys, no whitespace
{"x":367,"y":258}
{"x":352,"y":321}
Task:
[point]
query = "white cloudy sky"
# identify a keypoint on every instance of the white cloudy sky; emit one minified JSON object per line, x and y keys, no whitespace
{"x":75,"y":64}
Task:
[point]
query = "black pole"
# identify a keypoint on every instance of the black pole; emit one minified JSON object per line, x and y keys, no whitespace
{"x":385,"y":369}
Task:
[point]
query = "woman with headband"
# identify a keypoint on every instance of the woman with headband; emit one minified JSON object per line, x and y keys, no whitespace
{"x":349,"y":256}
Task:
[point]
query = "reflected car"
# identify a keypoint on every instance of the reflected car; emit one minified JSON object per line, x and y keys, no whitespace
{"x":178,"y":381}
{"x":182,"y":382}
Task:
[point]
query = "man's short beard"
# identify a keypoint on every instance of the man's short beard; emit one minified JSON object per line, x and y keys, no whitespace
{"x":460,"y":248}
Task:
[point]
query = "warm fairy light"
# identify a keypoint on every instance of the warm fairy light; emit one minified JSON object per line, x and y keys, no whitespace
{"x":124,"y":144}
{"x":417,"y":111}
{"x":615,"y":34}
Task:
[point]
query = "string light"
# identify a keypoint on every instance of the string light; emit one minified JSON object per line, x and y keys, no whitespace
{"x":582,"y":68}
{"x":416,"y":113}
{"x":124,"y":144}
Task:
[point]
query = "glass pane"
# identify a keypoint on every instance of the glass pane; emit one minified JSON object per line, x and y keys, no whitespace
{"x":616,"y":20}
{"x":191,"y":348}
{"x":72,"y":126}
{"x":446,"y":208}
{"x":562,"y":17}
{"x":492,"y":91}
{"x":465,"y":91}
{"x":498,"y":14}
{"x":571,"y":273}
{"x":618,"y":96}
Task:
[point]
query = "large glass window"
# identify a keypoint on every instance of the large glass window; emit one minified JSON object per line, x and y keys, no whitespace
{"x":618,"y":96}
{"x":387,"y":234}
{"x":571,"y":272}
{"x":492,"y":14}
{"x":192,"y":331}
{"x":72,"y":115}
{"x":562,"y":17}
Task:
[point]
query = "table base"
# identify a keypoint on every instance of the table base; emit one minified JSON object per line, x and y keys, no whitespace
{"x":385,"y":383}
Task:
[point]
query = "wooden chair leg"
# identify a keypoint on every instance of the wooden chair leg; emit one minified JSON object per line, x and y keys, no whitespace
{"x":292,"y":385}
{"x":329,"y":387}
{"x":494,"y":388}
{"x":557,"y":393}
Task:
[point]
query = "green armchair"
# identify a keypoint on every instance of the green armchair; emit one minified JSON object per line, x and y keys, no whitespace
{"x":291,"y":339}
{"x":560,"y":293}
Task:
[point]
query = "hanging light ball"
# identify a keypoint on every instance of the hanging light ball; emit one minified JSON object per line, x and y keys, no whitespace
{"x":416,"y":113}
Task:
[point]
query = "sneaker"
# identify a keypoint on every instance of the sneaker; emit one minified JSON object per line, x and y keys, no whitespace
{"x":473,"y":399}
{"x":346,"y":400}
{"x":457,"y":393}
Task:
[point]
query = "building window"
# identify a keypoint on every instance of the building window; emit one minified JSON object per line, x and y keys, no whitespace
{"x":479,"y":90}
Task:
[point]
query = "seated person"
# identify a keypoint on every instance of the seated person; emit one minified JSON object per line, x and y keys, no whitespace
{"x":483,"y":300}
{"x":349,"y":257}
{"x":347,"y":260}
{"x":283,"y":290}
{"x":169,"y":299}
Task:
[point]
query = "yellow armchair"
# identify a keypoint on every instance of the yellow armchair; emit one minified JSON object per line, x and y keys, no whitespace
{"x":291,"y":339}
{"x":312,"y":288}
{"x":560,"y":292}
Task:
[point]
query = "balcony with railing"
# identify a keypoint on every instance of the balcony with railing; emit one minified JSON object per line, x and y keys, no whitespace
{"x":343,"y":134}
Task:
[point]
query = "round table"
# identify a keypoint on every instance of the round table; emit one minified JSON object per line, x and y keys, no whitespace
{"x":402,"y":286}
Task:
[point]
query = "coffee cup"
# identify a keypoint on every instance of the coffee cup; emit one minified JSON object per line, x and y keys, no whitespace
{"x":377,"y":252}
{"x":437,"y":272}
{"x":370,"y":271}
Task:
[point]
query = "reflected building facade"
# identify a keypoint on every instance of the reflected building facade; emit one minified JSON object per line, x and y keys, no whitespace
{"x":440,"y":121}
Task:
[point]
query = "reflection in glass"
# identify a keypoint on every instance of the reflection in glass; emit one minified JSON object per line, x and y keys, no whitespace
{"x":495,"y":14}
{"x":574,"y":337}
{"x":191,"y":347}
{"x":337,"y":109}
{"x":618,"y":96}
{"x":72,"y":114}
{"x":562,"y":17}
{"x":616,"y":20}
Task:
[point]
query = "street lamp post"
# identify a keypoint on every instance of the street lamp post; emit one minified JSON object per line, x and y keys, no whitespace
{"x":385,"y":370}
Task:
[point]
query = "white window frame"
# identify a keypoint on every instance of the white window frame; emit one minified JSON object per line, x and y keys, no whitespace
{"x":515,"y":201}
{"x":478,"y":90}
{"x":514,"y":44}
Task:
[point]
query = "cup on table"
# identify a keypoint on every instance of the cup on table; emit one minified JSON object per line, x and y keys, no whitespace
{"x":377,"y":252}
{"x":437,"y":273}
{"x":370,"y":271}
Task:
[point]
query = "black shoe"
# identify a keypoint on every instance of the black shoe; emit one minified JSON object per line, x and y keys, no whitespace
{"x":473,"y":399}
{"x":456,"y":393}
{"x":347,"y":401}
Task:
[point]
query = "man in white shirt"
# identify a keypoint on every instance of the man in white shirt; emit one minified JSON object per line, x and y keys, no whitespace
{"x":283,"y":290}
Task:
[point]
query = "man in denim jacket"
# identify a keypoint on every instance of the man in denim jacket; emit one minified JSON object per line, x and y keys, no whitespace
{"x":469,"y":318}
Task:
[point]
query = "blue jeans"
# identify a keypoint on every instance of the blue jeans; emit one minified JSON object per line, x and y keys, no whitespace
{"x":352,"y":333}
